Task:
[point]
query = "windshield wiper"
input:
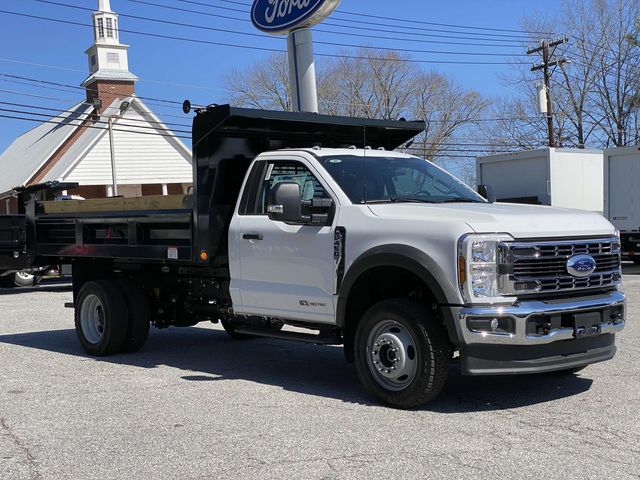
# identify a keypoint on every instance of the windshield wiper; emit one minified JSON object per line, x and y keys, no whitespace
{"x":458,"y":200}
{"x":400,"y":200}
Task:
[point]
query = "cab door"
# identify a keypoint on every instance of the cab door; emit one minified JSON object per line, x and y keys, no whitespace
{"x":285,"y":271}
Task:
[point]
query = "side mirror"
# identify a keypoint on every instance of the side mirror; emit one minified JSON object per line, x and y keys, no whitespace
{"x":285,"y":203}
{"x":487,"y":192}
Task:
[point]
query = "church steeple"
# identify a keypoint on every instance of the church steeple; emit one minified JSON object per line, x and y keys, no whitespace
{"x":108,"y":58}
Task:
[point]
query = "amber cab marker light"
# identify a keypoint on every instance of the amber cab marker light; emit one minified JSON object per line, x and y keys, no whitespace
{"x":462,"y":269}
{"x":204,"y":256}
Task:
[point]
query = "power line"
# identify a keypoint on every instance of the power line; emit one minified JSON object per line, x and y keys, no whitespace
{"x":320,"y":42}
{"x":377,"y":24}
{"x":391,"y":18}
{"x":51,"y":121}
{"x":89,"y":115}
{"x":351,"y":32}
{"x":351,"y":26}
{"x":35,"y":80}
{"x":249,"y":47}
{"x":37,"y":107}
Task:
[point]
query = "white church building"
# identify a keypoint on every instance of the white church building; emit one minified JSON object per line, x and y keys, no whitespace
{"x":76,"y":145}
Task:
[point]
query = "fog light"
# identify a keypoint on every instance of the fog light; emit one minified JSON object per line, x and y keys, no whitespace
{"x":490,"y":325}
{"x":495,"y":324}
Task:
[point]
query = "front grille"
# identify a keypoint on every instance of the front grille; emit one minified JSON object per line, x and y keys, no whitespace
{"x":541,"y":267}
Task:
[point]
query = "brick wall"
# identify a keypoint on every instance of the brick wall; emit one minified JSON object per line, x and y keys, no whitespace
{"x":90,"y":191}
{"x":108,"y":91}
{"x":152,"y":189}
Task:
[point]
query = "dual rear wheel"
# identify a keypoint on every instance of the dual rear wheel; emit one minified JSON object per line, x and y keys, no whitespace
{"x":111,"y":317}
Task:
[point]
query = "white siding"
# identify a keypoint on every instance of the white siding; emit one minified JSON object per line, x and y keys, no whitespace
{"x":141,"y":158}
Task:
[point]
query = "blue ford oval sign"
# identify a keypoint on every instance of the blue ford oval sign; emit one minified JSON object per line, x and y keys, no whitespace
{"x":282,"y":16}
{"x":581,"y":266}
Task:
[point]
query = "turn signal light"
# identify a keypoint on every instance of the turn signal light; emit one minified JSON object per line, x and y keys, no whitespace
{"x":462,"y":270}
{"x":204,"y":256}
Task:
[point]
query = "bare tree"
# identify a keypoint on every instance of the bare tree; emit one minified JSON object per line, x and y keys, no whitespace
{"x":264,"y":85}
{"x":593,"y":94}
{"x":448,"y":110}
{"x":376,"y":84}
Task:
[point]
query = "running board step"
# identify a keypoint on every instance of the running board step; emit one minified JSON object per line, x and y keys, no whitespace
{"x":294,"y":336}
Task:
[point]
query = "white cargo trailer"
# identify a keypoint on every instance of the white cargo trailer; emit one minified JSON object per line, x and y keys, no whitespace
{"x":560,"y":177}
{"x":622,"y":197}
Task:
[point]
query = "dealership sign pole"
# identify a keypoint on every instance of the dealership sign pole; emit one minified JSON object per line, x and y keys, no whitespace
{"x":294,"y":18}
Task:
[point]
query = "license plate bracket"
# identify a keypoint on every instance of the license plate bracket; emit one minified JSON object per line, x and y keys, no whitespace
{"x":586,"y":324}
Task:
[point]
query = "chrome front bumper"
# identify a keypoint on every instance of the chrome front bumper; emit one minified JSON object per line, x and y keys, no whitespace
{"x":523,"y":311}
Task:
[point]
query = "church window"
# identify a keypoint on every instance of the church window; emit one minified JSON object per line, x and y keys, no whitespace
{"x":109,"y":28}
{"x":100,"y":28}
{"x":115,"y":28}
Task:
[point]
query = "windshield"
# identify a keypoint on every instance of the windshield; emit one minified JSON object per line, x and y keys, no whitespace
{"x":396,"y":179}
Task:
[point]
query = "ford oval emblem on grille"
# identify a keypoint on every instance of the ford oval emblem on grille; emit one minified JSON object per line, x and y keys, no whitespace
{"x":581,"y":266}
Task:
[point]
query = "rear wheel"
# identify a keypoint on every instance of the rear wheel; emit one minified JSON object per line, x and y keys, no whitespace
{"x":139,"y":318}
{"x":402,"y":354}
{"x":24,"y":279}
{"x":101,"y":318}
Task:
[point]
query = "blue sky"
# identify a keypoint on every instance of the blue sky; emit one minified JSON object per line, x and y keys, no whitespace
{"x":176,"y":70}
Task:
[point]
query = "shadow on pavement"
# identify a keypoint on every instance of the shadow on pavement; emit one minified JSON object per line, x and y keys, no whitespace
{"x":48,"y":287}
{"x":210,"y":355}
{"x":629,"y":268}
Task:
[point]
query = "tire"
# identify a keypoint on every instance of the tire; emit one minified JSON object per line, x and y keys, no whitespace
{"x":401,"y":334}
{"x":101,"y":318}
{"x":139,"y":318}
{"x":23,"y":279}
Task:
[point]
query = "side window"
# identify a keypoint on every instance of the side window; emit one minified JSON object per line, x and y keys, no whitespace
{"x":279,"y":172}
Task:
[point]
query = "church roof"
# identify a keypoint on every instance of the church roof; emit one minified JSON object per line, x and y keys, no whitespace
{"x":28,"y":153}
{"x":105,"y":74}
{"x":32,"y":150}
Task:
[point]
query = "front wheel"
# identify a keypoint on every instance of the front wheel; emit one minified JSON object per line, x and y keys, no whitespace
{"x":402,"y":354}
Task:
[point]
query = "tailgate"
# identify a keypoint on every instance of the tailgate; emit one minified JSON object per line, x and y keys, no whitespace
{"x":12,"y":242}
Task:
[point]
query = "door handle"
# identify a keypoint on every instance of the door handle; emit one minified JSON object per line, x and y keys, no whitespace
{"x":252,"y":236}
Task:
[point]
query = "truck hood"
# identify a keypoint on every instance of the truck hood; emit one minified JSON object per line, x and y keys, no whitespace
{"x":520,"y":221}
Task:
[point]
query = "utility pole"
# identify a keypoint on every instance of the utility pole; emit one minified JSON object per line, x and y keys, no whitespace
{"x":113,"y":158}
{"x":547,"y":51}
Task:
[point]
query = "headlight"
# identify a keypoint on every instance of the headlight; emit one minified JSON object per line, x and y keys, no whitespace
{"x":478,"y":268}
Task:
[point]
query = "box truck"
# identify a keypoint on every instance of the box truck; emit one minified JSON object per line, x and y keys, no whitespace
{"x":560,"y":177}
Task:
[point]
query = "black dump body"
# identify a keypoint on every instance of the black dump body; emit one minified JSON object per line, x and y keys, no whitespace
{"x":225,"y":141}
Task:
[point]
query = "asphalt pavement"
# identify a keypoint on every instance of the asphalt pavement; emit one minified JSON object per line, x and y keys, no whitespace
{"x":194,"y":404}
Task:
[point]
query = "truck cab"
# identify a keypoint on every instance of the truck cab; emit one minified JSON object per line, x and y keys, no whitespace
{"x":319,"y":223}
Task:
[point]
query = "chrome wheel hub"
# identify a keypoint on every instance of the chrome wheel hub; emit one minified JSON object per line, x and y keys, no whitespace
{"x":391,"y":355}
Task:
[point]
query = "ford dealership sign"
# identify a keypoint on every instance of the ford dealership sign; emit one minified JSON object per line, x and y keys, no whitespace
{"x":283,"y":16}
